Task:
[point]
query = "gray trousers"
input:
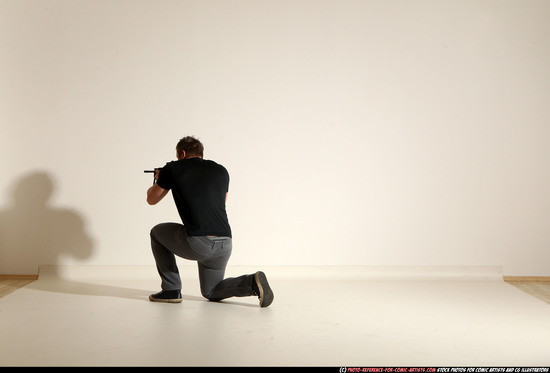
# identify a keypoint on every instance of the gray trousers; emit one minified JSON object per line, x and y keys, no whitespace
{"x":211,"y":254}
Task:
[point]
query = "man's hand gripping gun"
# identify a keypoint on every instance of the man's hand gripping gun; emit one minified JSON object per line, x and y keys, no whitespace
{"x":154,"y":172}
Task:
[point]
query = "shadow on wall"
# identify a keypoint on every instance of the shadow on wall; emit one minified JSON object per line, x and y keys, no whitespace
{"x":34,"y":233}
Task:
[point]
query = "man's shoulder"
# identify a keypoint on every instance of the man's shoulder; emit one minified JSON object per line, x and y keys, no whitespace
{"x":196,"y":164}
{"x":212,"y":163}
{"x":170,"y":164}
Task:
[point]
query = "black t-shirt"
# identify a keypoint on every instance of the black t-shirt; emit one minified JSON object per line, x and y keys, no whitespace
{"x":199,"y":187}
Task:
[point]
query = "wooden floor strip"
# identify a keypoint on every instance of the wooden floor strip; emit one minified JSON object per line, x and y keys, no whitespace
{"x":10,"y":284}
{"x":11,"y":277}
{"x":526,"y":279}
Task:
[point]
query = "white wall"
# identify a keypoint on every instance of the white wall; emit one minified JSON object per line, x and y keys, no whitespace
{"x":355,"y":132}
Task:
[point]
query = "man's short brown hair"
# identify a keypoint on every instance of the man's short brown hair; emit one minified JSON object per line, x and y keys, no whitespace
{"x":192,"y":146}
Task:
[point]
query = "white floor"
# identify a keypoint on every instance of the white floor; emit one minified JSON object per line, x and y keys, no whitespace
{"x":321,"y":316}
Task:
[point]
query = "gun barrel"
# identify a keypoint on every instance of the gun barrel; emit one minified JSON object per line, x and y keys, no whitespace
{"x":149,"y":171}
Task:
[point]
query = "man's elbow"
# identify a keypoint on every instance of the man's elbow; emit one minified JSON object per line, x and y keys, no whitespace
{"x":152,"y":201}
{"x":155,"y":194}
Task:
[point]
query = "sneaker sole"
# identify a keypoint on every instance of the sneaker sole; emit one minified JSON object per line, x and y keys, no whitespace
{"x":266,"y":295}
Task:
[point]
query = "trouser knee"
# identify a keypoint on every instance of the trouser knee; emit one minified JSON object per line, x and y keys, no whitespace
{"x":154,"y":231}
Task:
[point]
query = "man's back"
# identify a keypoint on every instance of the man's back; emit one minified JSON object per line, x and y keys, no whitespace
{"x":199,"y":188}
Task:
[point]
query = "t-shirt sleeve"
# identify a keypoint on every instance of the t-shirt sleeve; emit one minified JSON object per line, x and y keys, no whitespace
{"x":165,"y":180}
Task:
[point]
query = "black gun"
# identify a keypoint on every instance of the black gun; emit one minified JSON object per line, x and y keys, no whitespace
{"x":152,"y":172}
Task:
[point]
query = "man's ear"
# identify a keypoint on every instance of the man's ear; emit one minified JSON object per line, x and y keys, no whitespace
{"x":182,"y":155}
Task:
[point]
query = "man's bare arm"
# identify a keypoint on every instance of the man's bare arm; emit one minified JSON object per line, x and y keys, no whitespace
{"x":155,"y":194}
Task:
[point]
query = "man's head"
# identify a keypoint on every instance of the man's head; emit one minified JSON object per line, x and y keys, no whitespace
{"x":189,"y":147}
